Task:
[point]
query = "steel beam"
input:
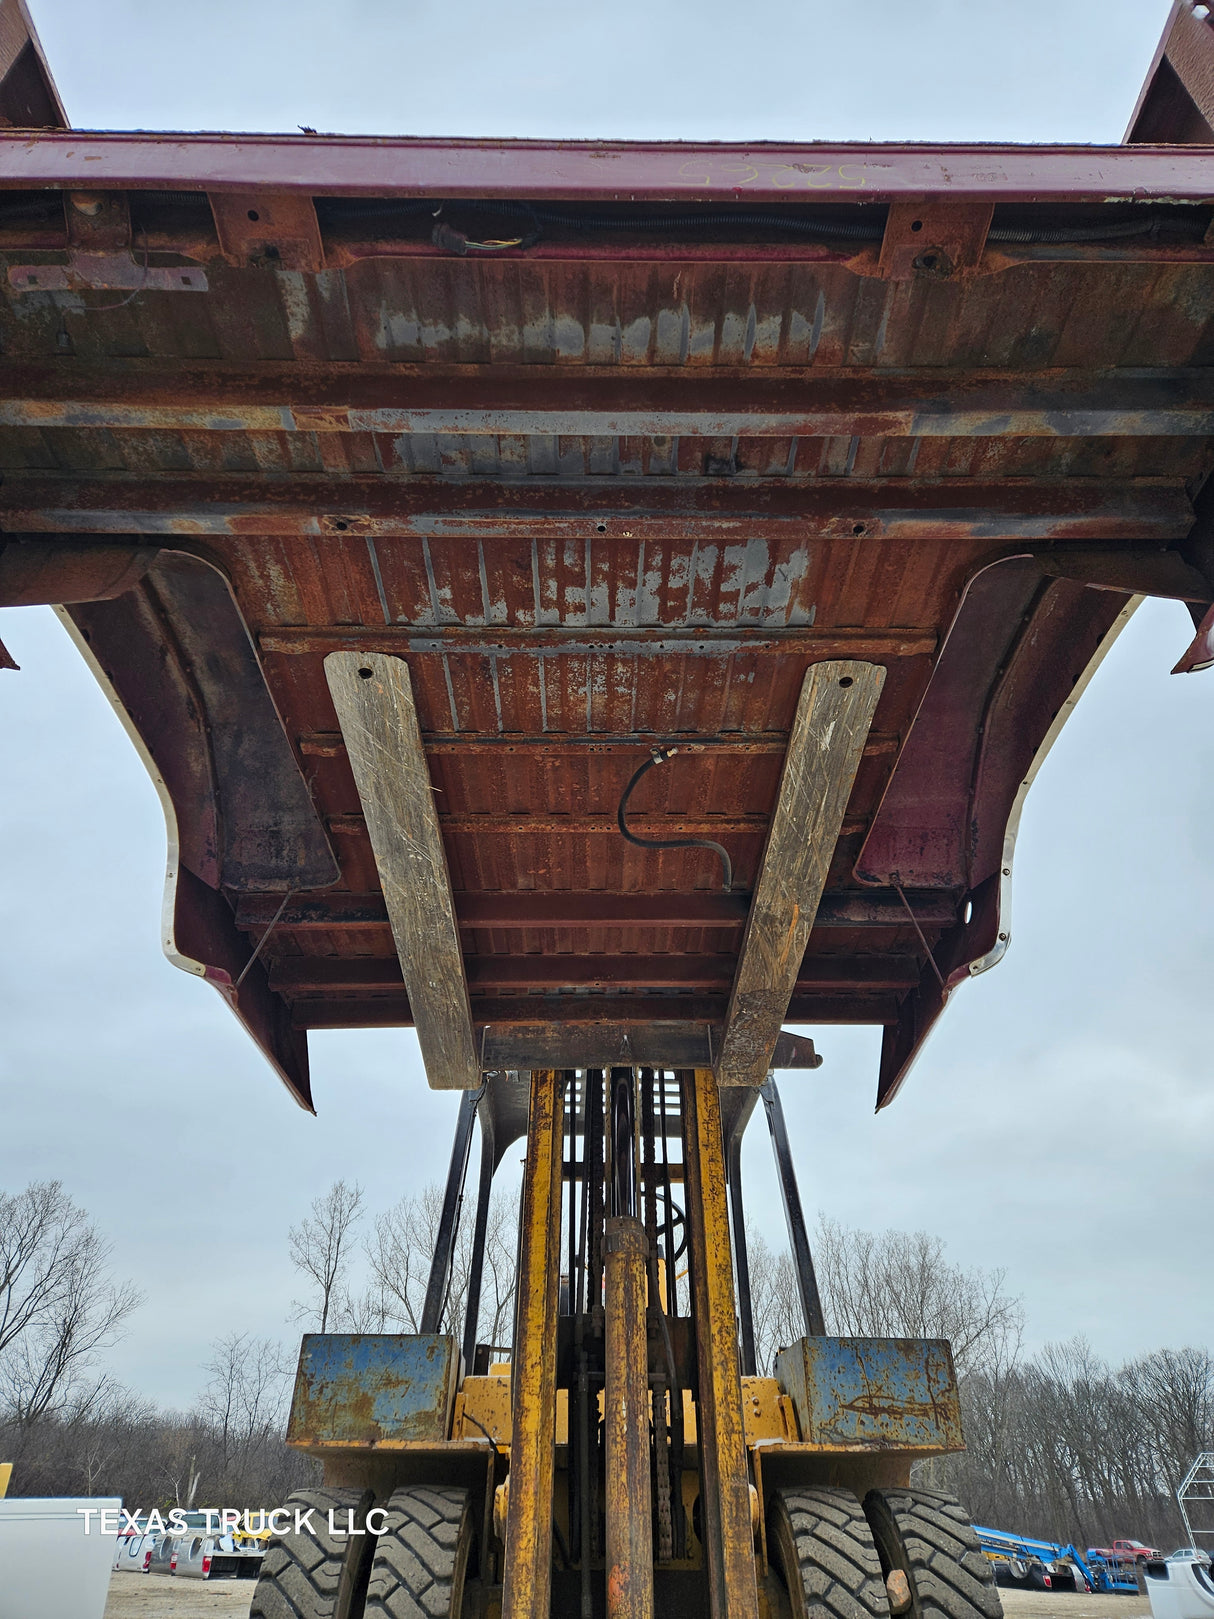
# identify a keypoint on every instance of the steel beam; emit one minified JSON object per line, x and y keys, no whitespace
{"x":727,"y":174}
{"x":833,"y":717}
{"x":711,"y":641}
{"x":595,"y":910}
{"x":373,"y":697}
{"x":527,"y":1578}
{"x":317,"y":975}
{"x":794,"y":1215}
{"x":448,"y":1222}
{"x":521,"y":1012}
{"x":651,"y":508}
{"x":724,"y":1479}
{"x":620,"y":401}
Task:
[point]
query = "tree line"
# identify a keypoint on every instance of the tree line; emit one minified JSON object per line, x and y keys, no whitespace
{"x":70,"y":1428}
{"x":1061,"y":1444}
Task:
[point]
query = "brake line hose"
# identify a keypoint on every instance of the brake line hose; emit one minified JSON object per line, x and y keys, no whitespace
{"x":659,"y":756}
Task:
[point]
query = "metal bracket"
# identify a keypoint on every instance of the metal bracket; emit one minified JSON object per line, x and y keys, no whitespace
{"x":105,"y":272}
{"x":99,"y":254}
{"x":934,"y":240}
{"x":273,"y":231}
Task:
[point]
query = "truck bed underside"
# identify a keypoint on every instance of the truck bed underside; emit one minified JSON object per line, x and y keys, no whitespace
{"x":618,"y":486}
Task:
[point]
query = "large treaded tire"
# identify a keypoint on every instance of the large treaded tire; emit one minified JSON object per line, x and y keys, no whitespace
{"x":317,"y":1575}
{"x":422,"y":1555}
{"x":928,"y":1536}
{"x":821,"y":1543}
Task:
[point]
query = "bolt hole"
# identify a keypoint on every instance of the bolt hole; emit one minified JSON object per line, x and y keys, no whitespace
{"x":364,"y":674}
{"x":846,"y":681}
{"x":600,"y":528}
{"x":930,"y":261}
{"x":341,"y":527}
{"x":254,"y":215}
{"x":916,"y":224}
{"x":858,"y":528}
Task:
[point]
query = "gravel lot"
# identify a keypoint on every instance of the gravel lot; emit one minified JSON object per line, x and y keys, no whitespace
{"x":150,"y":1596}
{"x":1070,"y":1605}
{"x":161,"y":1596}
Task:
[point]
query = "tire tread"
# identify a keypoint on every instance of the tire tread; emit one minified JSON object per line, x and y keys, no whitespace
{"x":837,"y":1572}
{"x":418,"y":1569}
{"x":311,"y":1576}
{"x":949,"y":1576}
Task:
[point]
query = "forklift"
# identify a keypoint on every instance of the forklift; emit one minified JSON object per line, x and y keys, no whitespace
{"x":628,"y":1461}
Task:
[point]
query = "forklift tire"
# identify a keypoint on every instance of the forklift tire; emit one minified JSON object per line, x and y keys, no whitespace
{"x":928,"y":1536}
{"x":422,"y":1555}
{"x":821,"y":1544}
{"x":316,"y":1574}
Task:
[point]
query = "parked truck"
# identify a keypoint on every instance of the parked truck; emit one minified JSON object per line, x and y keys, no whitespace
{"x":594,"y":604}
{"x":1125,"y":1551}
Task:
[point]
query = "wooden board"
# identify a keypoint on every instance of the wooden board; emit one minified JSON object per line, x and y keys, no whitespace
{"x":834,"y":714}
{"x":374,"y":700}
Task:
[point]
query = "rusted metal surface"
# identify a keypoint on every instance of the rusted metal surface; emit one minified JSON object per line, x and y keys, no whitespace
{"x":1177,"y":100}
{"x":626,"y":1403}
{"x":42,"y":572}
{"x":372,"y":1389}
{"x":724,"y":1478}
{"x":618,"y":491}
{"x":588,"y":400}
{"x":527,"y":1576}
{"x":873,"y":1394}
{"x":28,"y":97}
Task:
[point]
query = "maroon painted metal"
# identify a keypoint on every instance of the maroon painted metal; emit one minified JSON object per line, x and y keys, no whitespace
{"x":602,"y":491}
{"x":1177,"y":99}
{"x":601,"y":171}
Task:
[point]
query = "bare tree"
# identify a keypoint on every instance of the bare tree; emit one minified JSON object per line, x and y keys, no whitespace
{"x":320,"y":1248}
{"x":400,"y":1252}
{"x":244,"y":1400}
{"x":1068,"y":1447}
{"x":899,"y":1284}
{"x":59,"y":1305}
{"x":775,"y":1303}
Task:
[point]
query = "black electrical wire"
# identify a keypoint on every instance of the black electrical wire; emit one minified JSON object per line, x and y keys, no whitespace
{"x":800,"y":224}
{"x":659,"y":757}
{"x":1149,"y":225}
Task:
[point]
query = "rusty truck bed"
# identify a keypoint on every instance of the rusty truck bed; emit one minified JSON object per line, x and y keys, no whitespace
{"x":610,"y":444}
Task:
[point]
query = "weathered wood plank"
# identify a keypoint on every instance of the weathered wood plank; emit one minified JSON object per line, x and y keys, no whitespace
{"x":374,"y":700}
{"x":834,"y":714}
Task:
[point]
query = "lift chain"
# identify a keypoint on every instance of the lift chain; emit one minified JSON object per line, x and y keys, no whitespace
{"x":661,"y":1465}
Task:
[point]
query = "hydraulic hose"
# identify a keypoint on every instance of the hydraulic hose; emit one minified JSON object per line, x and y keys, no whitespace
{"x":659,"y":757}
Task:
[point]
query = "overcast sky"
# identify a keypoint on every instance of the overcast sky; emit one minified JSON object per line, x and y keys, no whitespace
{"x":1059,"y":1124}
